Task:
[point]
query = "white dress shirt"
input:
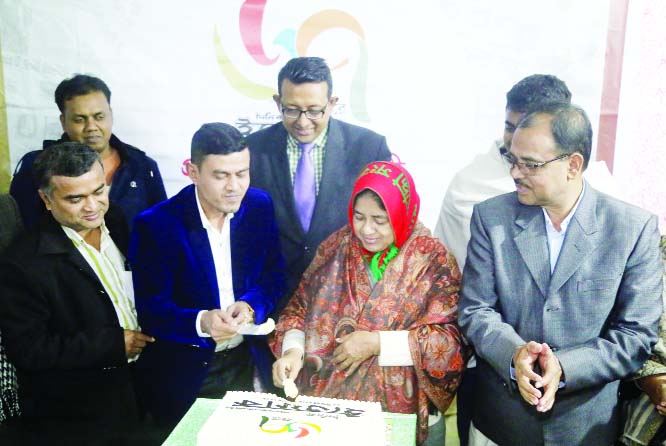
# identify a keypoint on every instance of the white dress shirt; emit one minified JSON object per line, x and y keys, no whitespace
{"x":555,"y":237}
{"x":220,"y":245}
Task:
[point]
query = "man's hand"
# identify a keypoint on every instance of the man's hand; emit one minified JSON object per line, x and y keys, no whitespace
{"x":287,"y":366}
{"x":524,"y":359}
{"x":655,"y":387}
{"x":219,"y":325}
{"x":355,"y":348}
{"x":240,"y":312}
{"x":135,"y":341}
{"x":552,"y":373}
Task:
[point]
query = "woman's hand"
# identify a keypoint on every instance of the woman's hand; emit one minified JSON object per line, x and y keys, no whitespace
{"x":655,"y":387}
{"x":355,"y":348}
{"x":287,"y":366}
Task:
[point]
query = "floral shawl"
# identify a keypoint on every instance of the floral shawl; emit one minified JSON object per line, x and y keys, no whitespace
{"x":418,"y":292}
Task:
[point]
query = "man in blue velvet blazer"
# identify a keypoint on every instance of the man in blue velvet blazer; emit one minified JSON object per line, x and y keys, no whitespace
{"x":205,"y":262}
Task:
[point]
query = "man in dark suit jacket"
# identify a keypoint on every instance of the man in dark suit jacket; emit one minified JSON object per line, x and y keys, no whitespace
{"x":561,"y":292}
{"x":10,"y":226}
{"x":205,"y":262}
{"x":63,"y":296}
{"x":337,"y":151}
{"x":10,"y":223}
{"x":86,"y":117}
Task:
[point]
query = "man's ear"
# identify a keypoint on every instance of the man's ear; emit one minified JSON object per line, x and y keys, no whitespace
{"x":576,"y":162}
{"x":192,"y":172}
{"x":62,"y":121}
{"x":45,"y":198}
{"x":276,"y":98}
{"x":331,"y":105}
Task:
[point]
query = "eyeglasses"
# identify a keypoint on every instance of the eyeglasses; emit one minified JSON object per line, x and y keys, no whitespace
{"x":294,"y":113}
{"x":530,"y":167}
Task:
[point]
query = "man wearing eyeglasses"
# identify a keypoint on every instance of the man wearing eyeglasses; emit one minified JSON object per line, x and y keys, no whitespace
{"x":486,"y":177}
{"x":309,"y":161}
{"x":561,"y":292}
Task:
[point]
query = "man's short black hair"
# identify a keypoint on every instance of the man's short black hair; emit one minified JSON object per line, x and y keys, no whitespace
{"x":534,"y":90}
{"x":215,"y":138}
{"x":79,"y":85}
{"x":569,"y":124}
{"x":300,"y":70}
{"x":67,"y":159}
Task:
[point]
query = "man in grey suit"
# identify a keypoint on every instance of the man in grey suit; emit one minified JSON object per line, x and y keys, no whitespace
{"x":308,"y":163}
{"x":561,"y":292}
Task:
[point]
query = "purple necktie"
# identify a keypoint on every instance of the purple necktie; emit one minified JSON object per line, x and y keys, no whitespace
{"x":304,"y":185}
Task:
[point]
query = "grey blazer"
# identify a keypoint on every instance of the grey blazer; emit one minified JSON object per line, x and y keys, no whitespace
{"x":348,"y":149}
{"x":598,"y":311}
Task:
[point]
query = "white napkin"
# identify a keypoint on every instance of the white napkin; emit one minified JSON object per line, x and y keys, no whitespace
{"x":252,"y":329}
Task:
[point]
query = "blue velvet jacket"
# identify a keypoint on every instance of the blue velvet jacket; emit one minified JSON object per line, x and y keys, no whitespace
{"x":174,"y":279}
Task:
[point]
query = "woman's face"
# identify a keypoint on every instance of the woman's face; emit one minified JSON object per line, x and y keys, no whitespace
{"x":372,"y":225}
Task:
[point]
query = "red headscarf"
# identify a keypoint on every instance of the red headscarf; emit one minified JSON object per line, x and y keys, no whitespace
{"x":395,"y":187}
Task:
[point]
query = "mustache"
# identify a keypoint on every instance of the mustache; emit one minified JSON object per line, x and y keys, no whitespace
{"x":520,"y":183}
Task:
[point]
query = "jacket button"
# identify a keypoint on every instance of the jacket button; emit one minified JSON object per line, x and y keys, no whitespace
{"x":205,"y":363}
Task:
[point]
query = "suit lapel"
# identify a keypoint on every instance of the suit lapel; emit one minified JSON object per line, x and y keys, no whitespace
{"x":578,"y":243}
{"x":334,"y":159}
{"x":239,"y":247}
{"x":532,"y":244}
{"x":198,"y":239}
{"x":283,"y":182}
{"x":54,"y":241}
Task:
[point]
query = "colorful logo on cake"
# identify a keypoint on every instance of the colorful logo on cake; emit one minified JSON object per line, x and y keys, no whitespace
{"x":296,"y":42}
{"x":296,"y":429}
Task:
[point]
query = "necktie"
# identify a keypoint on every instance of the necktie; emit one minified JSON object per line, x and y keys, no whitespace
{"x":304,"y":185}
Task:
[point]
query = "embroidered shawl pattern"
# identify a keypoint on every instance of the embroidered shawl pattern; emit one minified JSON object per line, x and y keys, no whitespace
{"x":418,"y":292}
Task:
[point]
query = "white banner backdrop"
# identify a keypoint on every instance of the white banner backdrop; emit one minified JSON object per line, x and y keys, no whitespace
{"x":430,"y":75}
{"x":640,"y":149}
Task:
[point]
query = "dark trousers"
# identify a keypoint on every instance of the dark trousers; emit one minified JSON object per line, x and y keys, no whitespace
{"x":465,"y":405}
{"x":228,"y":370}
{"x":65,"y":432}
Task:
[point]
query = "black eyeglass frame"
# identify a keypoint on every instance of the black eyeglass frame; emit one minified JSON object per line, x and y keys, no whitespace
{"x":308,"y":113}
{"x":529,"y":168}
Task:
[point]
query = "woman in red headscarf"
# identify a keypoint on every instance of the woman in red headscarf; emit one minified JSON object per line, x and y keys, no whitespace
{"x":375,"y":315}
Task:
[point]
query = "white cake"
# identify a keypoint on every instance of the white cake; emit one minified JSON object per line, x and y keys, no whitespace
{"x":262,"y":419}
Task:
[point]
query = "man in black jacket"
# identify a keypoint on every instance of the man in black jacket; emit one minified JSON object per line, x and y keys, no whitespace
{"x":86,"y":117}
{"x":67,"y":315}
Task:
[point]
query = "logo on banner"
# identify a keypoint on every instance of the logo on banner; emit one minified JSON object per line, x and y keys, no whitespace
{"x":296,"y":42}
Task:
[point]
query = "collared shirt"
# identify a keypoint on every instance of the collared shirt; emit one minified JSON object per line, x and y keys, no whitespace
{"x":555,"y":242}
{"x":294,"y":154}
{"x":109,"y":265}
{"x":555,"y":237}
{"x":220,"y":246}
